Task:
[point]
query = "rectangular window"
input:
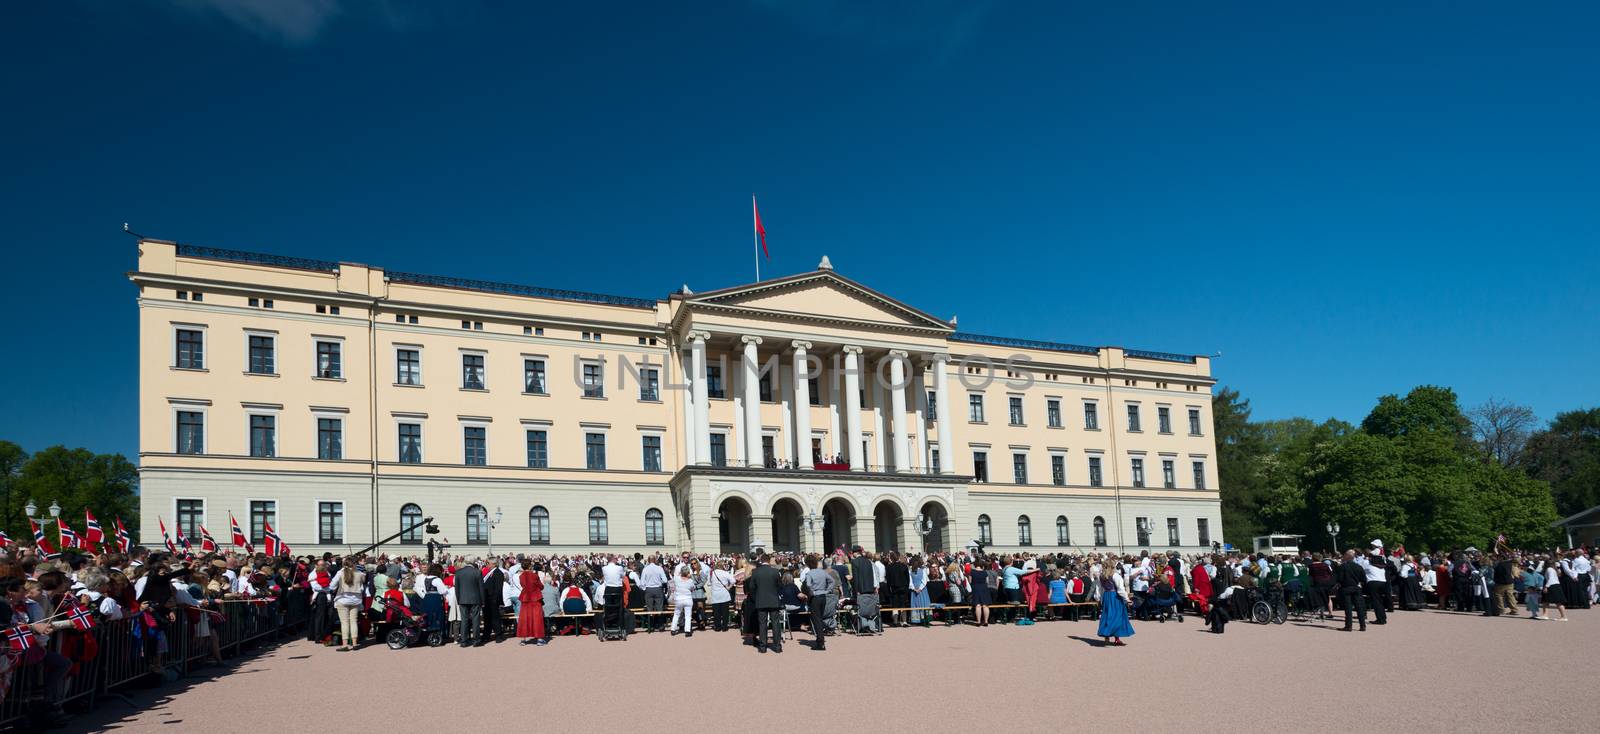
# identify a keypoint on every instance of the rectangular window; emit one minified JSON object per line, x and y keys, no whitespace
{"x":1164,"y":419}
{"x":538,"y":450}
{"x":652,"y":453}
{"x":1141,"y":527}
{"x":1172,"y":532}
{"x":764,"y":387}
{"x":408,"y":366}
{"x":814,"y":390}
{"x":261,"y":355}
{"x":594,"y":383}
{"x":263,"y":435}
{"x":1019,"y":468}
{"x":933,"y":459}
{"x":1058,"y":470}
{"x":539,"y":526}
{"x":330,"y":523}
{"x":1199,"y":475}
{"x":533,"y":376}
{"x":191,"y":350}
{"x":975,"y":408}
{"x":1094,"y":471}
{"x":1194,"y":421}
{"x":262,"y":513}
{"x":191,"y":432}
{"x":329,"y":364}
{"x":1133,"y":418}
{"x":191,"y":515}
{"x":330,"y":438}
{"x":1138,"y":472}
{"x":1091,"y":417}
{"x":980,"y":466}
{"x":719,"y":449}
{"x":1052,"y":413}
{"x":1024,"y":532}
{"x":472,"y":372}
{"x":475,"y":445}
{"x":1203,"y":527}
{"x":599,"y":534}
{"x":1016,"y":410}
{"x":411,"y":443}
{"x":933,"y":405}
{"x":714,"y":388}
{"x":1169,"y":478}
{"x":649,"y":384}
{"x":594,"y":450}
{"x":769,"y":456}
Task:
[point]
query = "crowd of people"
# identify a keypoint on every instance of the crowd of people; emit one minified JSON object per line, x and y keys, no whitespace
{"x":348,"y":602}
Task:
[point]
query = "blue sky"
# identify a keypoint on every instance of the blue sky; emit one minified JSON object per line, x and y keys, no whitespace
{"x":1343,"y":202}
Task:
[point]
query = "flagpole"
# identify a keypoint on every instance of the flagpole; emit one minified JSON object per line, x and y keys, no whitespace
{"x":755,"y":237}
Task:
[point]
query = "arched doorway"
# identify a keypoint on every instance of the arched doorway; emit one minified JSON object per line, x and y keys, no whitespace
{"x":838,"y":525}
{"x":888,"y":525}
{"x":786,"y":519}
{"x":937,"y":522}
{"x":733,"y":525}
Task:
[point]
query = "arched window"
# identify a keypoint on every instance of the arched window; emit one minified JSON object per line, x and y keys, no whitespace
{"x":477,"y":525}
{"x":1024,"y":531}
{"x":539,"y":526}
{"x":985,"y":532}
{"x":598,"y":533}
{"x":1099,"y":531}
{"x":655,"y":528}
{"x":1063,"y":532}
{"x":411,"y":524}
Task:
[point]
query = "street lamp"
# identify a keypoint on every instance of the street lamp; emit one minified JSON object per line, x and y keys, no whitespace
{"x":1333,"y":530}
{"x":55,"y":511}
{"x":30,"y":509}
{"x":483,"y":517}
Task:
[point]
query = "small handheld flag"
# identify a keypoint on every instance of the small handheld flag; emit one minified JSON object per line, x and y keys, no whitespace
{"x":67,"y":536}
{"x":92,"y":534}
{"x":80,"y":617}
{"x":239,"y":538}
{"x":207,"y":543}
{"x":183,"y":540}
{"x":124,"y":540}
{"x":270,"y":541}
{"x":19,"y":638}
{"x":39,"y":541}
{"x":166,"y":539}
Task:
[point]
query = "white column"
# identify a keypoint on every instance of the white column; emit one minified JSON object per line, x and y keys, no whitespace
{"x":880,"y":431}
{"x":835,"y":432}
{"x":752,"y":402}
{"x":941,"y":396}
{"x":690,"y":445}
{"x":852,"y":406}
{"x":802,"y":406}
{"x":784,"y":393}
{"x":919,"y":411}
{"x":897,"y":406}
{"x":702,"y":415}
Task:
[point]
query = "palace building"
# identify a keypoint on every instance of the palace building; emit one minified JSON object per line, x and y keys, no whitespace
{"x":342,"y":404}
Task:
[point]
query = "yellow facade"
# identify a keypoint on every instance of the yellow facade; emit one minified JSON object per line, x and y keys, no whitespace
{"x":252,"y":368}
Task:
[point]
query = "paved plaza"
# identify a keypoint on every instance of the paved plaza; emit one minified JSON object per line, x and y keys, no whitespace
{"x":1416,"y":672}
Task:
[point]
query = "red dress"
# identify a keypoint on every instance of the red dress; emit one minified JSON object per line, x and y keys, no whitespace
{"x":530,"y":620}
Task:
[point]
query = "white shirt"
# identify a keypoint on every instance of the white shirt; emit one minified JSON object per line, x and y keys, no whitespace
{"x":612,"y":574}
{"x":653,"y":577}
{"x":721,"y":582}
{"x":423,"y":587}
{"x":877,"y":573}
{"x":682,"y":590}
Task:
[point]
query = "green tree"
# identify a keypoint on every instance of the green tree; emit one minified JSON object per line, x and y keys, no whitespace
{"x":1426,"y":409}
{"x":76,"y":479}
{"x":1567,"y":455}
{"x":1519,"y":507}
{"x":1240,"y":452}
{"x":12,"y":459}
{"x":1360,"y":484}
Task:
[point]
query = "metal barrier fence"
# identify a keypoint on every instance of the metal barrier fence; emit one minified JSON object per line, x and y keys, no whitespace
{"x":128,"y":651}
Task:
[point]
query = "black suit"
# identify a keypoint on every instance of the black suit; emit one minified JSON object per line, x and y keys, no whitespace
{"x":469,"y":596}
{"x":863,"y":579}
{"x":764,"y":595}
{"x":493,"y":595}
{"x":1351,"y":577}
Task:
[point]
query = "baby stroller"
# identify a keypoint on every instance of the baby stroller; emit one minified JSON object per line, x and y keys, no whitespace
{"x":1162,"y":604}
{"x":406,"y":629}
{"x":868,"y":616}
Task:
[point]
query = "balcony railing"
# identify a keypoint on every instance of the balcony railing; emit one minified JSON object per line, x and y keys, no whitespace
{"x":1001,"y":341}
{"x":828,"y":467}
{"x":256,"y":258}
{"x":1162,"y":356}
{"x":445,"y":281}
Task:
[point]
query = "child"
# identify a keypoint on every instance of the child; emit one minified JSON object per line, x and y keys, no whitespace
{"x":1218,"y":614}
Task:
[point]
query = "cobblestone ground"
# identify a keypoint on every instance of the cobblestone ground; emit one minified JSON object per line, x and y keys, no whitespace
{"x":1416,"y":674}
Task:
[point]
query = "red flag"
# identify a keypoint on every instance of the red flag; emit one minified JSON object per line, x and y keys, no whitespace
{"x":182,"y":540}
{"x":164,"y":537}
{"x":19,"y":638}
{"x":80,"y":617}
{"x":207,"y":543}
{"x":761,"y":232}
{"x":92,"y":534}
{"x":124,"y":540}
{"x":270,"y":541}
{"x":5,"y":540}
{"x":239,"y":538}
{"x":39,"y":541}
{"x":69,"y":538}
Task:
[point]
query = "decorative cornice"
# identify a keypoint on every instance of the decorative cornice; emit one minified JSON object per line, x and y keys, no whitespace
{"x":747,"y":339}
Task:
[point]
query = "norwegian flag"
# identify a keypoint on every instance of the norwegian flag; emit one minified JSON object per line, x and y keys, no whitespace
{"x":240,"y":540}
{"x":207,"y":543}
{"x":19,"y":638}
{"x":166,"y":539}
{"x":5,"y":540}
{"x":124,"y":540}
{"x":80,"y":617}
{"x":183,"y":541}
{"x":44,"y":546}
{"x":270,"y":542}
{"x":69,"y":537}
{"x":92,"y":534}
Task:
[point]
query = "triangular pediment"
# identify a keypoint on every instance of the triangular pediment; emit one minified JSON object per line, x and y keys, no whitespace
{"x":820,"y":294}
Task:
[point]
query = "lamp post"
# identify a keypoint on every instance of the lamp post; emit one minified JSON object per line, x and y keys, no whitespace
{"x":924,"y":528}
{"x":483,"y":517}
{"x":811,"y":530}
{"x":1333,"y":530}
